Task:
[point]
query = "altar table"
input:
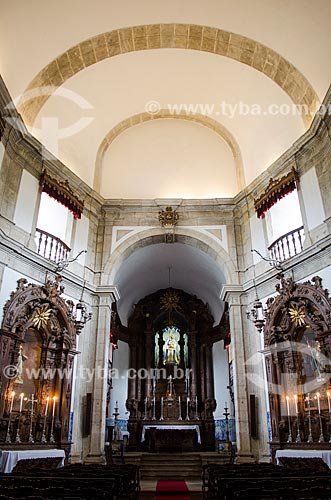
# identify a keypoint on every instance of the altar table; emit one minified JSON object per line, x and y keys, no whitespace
{"x":325,"y":455}
{"x":172,"y":427}
{"x":9,"y":458}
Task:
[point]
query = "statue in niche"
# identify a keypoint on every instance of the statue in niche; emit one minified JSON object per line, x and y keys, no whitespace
{"x":171,"y":350}
{"x":19,"y":365}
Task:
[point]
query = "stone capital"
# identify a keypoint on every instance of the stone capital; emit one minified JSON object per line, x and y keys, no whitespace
{"x":232,"y":294}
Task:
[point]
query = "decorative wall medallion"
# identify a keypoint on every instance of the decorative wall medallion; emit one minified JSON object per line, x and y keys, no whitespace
{"x":42,"y":316}
{"x":170,"y":301}
{"x":297,"y":314}
{"x":168,"y":217}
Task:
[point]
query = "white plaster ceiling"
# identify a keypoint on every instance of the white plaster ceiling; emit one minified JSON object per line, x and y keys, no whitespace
{"x":33,"y":33}
{"x":147,"y":270}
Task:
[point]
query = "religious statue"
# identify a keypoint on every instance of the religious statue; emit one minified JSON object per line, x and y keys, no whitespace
{"x":170,"y":349}
{"x":19,"y":366}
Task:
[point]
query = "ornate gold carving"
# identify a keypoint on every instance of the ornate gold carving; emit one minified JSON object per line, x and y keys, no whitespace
{"x":168,"y":217}
{"x":297,"y":314}
{"x":42,"y":316}
{"x":170,"y":301}
{"x":276,"y":189}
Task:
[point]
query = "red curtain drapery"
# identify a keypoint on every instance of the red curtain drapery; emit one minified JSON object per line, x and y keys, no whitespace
{"x":276,"y":190}
{"x":62,"y":193}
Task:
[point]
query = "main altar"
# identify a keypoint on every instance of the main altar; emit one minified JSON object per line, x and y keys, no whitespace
{"x":171,"y":391}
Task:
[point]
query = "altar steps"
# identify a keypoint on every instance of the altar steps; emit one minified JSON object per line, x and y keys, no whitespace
{"x":170,"y":466}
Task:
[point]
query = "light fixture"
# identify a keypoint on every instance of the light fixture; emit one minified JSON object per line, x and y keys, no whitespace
{"x":257,"y":314}
{"x":78,"y":313}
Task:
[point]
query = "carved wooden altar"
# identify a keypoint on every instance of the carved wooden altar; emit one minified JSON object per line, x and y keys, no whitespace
{"x":297,"y":354}
{"x":186,"y":347}
{"x":37,"y":349}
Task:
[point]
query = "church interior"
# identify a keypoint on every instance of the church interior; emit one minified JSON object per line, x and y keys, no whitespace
{"x":165,"y":249}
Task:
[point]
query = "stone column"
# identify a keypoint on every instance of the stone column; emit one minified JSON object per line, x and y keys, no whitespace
{"x":209,"y":372}
{"x":202,"y":372}
{"x":193,"y":363}
{"x":148,"y":359}
{"x":232,"y":294}
{"x":133,"y":364}
{"x":103,"y":319}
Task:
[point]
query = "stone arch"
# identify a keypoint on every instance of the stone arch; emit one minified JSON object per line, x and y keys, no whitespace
{"x":172,"y":35}
{"x":139,"y":118}
{"x":155,"y":235}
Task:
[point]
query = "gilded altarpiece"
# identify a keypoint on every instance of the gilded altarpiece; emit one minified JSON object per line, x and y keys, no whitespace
{"x":297,"y":353}
{"x":37,"y":349}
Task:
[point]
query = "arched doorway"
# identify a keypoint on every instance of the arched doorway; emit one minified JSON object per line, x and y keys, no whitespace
{"x":143,"y":327}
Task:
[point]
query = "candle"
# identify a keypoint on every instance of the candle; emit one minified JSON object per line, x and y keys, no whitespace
{"x":46,"y":409}
{"x":296,"y":403}
{"x":32,"y":403}
{"x":196,"y":401}
{"x":288,"y":405}
{"x":54,"y":400}
{"x":21,"y":401}
{"x":12,"y":401}
{"x":328,"y":394}
{"x":161,"y":401}
{"x":116,"y":404}
{"x":318,"y":402}
{"x":179,"y":400}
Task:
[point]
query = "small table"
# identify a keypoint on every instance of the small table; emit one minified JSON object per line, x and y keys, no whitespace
{"x":9,"y":458}
{"x":325,"y":455}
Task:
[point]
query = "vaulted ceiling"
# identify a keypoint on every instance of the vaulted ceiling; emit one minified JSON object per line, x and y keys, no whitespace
{"x":102,"y":79}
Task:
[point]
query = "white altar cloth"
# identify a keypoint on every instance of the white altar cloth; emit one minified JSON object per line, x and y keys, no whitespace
{"x":171,"y":427}
{"x":324,"y":454}
{"x":9,"y":458}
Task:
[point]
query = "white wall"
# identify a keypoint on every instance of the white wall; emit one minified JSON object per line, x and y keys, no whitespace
{"x":26,"y":201}
{"x":120,"y":383}
{"x":312,"y":198}
{"x":257,"y":236}
{"x":221,"y":378}
{"x":81,"y":239}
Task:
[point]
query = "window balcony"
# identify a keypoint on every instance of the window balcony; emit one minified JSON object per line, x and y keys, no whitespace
{"x":51,"y":247}
{"x":288,"y":245}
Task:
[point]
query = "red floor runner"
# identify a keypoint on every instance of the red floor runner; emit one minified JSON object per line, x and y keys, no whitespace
{"x":166,"y":490}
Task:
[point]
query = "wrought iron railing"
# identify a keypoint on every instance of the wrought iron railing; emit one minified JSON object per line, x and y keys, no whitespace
{"x":288,"y":245}
{"x":51,"y":247}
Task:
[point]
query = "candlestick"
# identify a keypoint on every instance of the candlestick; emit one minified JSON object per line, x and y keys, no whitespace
{"x":321,"y":438}
{"x":179,"y":409}
{"x":310,"y":436}
{"x":31,"y":440}
{"x":46,"y":408}
{"x":289,"y":439}
{"x":296,"y":403}
{"x":153,"y":416}
{"x":318,"y":402}
{"x":21,"y":401}
{"x":43,"y":437}
{"x":187,"y":408}
{"x":51,"y":437}
{"x":161,"y":417}
{"x":54,"y":401}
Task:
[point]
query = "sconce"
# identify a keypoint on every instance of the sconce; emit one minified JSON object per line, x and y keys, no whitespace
{"x":78,"y":313}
